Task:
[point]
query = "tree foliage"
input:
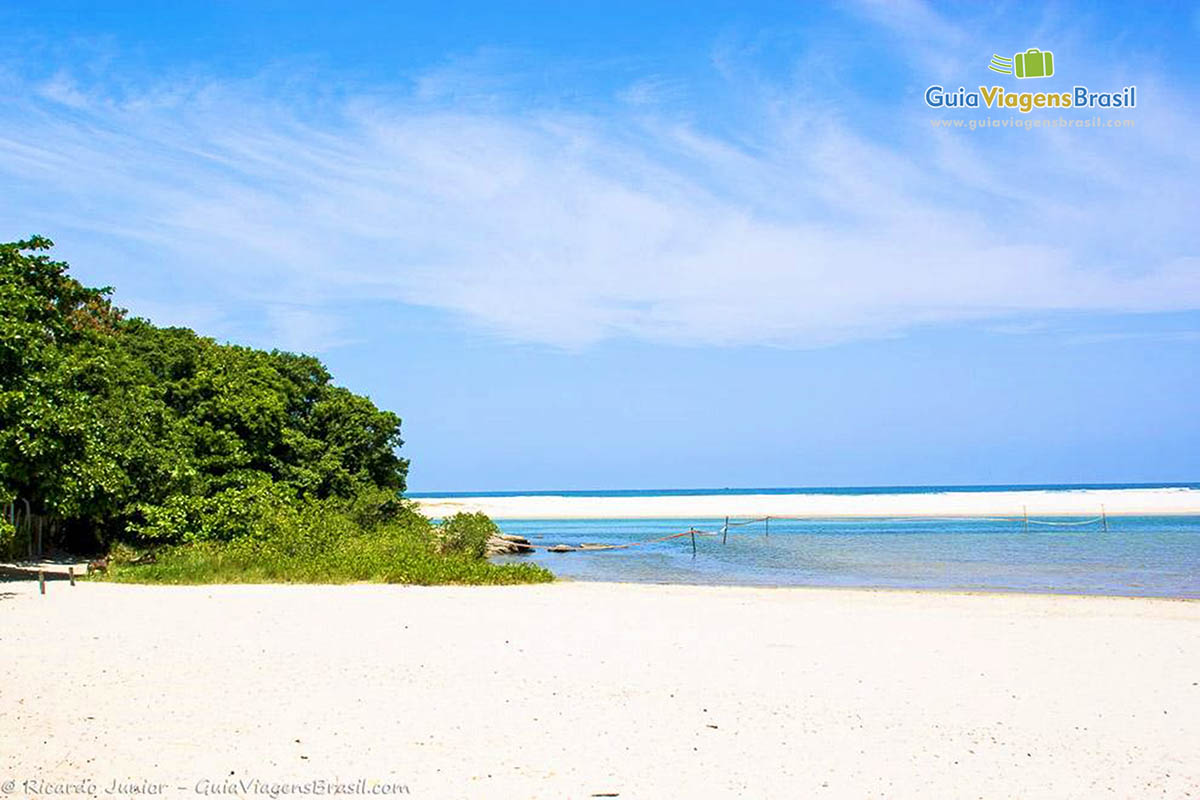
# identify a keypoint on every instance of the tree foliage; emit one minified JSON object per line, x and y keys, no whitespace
{"x":125,"y":430}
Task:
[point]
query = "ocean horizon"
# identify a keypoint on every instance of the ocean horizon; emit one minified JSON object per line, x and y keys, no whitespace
{"x":776,"y":490}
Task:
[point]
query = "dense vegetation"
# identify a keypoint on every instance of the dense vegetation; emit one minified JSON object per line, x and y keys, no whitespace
{"x":226,"y":460}
{"x":335,"y":543}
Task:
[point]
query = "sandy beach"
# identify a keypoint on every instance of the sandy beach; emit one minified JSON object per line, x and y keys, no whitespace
{"x":578,"y":690}
{"x":1084,"y":502}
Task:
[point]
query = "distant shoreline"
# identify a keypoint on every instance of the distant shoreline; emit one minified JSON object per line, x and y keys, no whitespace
{"x":1051,"y":502}
{"x":834,"y":490}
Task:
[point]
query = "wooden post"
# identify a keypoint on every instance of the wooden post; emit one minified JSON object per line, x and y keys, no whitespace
{"x":767,"y":528}
{"x":725,"y":531}
{"x":71,"y":574}
{"x":693,"y":542}
{"x":41,"y":581}
{"x":1026,"y":509}
{"x":1104,"y":516}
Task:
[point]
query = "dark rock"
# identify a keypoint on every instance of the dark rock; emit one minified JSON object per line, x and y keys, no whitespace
{"x":502,"y":545}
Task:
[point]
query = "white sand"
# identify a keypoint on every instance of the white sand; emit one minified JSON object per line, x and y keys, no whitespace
{"x":569,"y":690}
{"x":1083,"y":502}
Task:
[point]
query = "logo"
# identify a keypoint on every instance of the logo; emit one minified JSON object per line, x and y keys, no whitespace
{"x":1033,"y":63}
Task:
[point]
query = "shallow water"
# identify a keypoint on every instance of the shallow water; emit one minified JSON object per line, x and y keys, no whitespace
{"x":1145,"y":556}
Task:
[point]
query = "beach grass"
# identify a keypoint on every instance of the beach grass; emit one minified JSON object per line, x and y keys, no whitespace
{"x":333,"y":549}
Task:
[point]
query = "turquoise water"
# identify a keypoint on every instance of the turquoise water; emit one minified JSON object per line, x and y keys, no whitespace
{"x":1145,"y":556}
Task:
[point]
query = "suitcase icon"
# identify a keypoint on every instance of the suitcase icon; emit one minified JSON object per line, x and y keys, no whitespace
{"x":1034,"y":63}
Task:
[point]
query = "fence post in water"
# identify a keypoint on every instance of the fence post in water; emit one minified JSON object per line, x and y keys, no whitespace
{"x":767,"y":527}
{"x":725,"y":531}
{"x":1104,"y":516}
{"x":1026,"y":510}
{"x":693,"y":532}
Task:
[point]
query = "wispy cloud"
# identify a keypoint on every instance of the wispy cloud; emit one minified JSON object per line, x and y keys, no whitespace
{"x":1126,"y":336}
{"x":805,"y":226}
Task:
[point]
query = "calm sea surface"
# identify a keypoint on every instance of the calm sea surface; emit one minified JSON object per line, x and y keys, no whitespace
{"x":1150,"y":556}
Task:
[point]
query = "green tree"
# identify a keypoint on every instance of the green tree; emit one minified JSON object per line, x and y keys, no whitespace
{"x":124,"y":429}
{"x":51,"y":365}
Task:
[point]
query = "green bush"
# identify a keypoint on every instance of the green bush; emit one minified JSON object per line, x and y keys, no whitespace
{"x":372,"y":507}
{"x":324,"y":542}
{"x":8,"y":540}
{"x":255,"y":508}
{"x":467,"y":534}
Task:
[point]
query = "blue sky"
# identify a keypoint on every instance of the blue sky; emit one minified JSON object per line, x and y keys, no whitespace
{"x":626,"y":245}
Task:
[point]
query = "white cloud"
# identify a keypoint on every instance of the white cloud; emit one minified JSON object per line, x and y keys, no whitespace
{"x":806,"y":228}
{"x":1109,"y":337}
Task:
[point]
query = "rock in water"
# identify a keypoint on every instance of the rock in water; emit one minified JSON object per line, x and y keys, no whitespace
{"x":506,"y":545}
{"x":561,"y":548}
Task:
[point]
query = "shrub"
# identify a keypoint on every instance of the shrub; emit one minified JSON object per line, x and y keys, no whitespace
{"x":325,"y":542}
{"x":373,"y":507}
{"x":255,"y":507}
{"x":467,"y":534}
{"x":8,"y":539}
